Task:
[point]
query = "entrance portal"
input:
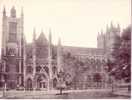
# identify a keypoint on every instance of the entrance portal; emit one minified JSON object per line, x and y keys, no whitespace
{"x":29,"y":84}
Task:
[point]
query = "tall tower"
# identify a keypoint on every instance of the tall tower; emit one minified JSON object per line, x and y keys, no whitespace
{"x":11,"y":48}
{"x":3,"y":49}
{"x":4,"y":31}
{"x":101,"y":40}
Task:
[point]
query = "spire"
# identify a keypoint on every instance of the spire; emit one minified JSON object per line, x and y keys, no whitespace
{"x":13,"y":12}
{"x":118,"y":29}
{"x":4,"y":11}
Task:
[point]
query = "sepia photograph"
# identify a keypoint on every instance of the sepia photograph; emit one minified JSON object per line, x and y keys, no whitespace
{"x":65,"y":49}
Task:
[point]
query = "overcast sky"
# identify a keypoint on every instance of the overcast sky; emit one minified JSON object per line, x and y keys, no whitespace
{"x":77,"y":22}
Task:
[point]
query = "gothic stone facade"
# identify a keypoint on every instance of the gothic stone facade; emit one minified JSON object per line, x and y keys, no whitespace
{"x":35,"y":65}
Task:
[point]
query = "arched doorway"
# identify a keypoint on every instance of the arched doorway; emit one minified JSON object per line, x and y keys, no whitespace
{"x":29,"y":84}
{"x":41,"y":82}
{"x":54,"y":83}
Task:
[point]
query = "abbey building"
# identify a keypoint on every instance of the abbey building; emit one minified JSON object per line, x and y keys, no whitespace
{"x":36,"y":65}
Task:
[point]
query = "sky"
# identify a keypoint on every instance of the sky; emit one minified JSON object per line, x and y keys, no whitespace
{"x":76,"y":22}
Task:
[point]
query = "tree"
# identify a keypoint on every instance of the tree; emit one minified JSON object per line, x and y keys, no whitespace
{"x":120,"y":67}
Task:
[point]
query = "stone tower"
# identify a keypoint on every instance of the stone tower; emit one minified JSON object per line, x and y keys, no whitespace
{"x":101,"y":40}
{"x":106,"y":40}
{"x":12,"y":52}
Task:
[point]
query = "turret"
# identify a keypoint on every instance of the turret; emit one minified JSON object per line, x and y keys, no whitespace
{"x":4,"y":12}
{"x":4,"y":32}
{"x":13,"y":47}
{"x":13,"y":12}
{"x":118,"y":29}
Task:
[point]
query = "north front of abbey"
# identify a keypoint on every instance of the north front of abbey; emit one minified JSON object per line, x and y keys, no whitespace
{"x":36,"y":65}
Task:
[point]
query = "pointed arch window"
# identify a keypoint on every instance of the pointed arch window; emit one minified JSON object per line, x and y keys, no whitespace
{"x":12,"y":31}
{"x":38,"y":68}
{"x":54,"y":69}
{"x":29,"y":69}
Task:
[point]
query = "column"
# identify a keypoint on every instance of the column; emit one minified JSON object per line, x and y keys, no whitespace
{"x":59,"y":56}
{"x":24,"y":66}
{"x":34,"y":58}
{"x":50,"y":85}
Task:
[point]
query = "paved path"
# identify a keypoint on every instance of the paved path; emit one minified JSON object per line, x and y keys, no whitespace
{"x":57,"y":91}
{"x":89,"y":93}
{"x":51,"y":92}
{"x":122,"y":93}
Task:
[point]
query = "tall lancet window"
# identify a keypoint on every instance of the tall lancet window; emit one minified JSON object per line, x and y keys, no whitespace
{"x":12,"y":31}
